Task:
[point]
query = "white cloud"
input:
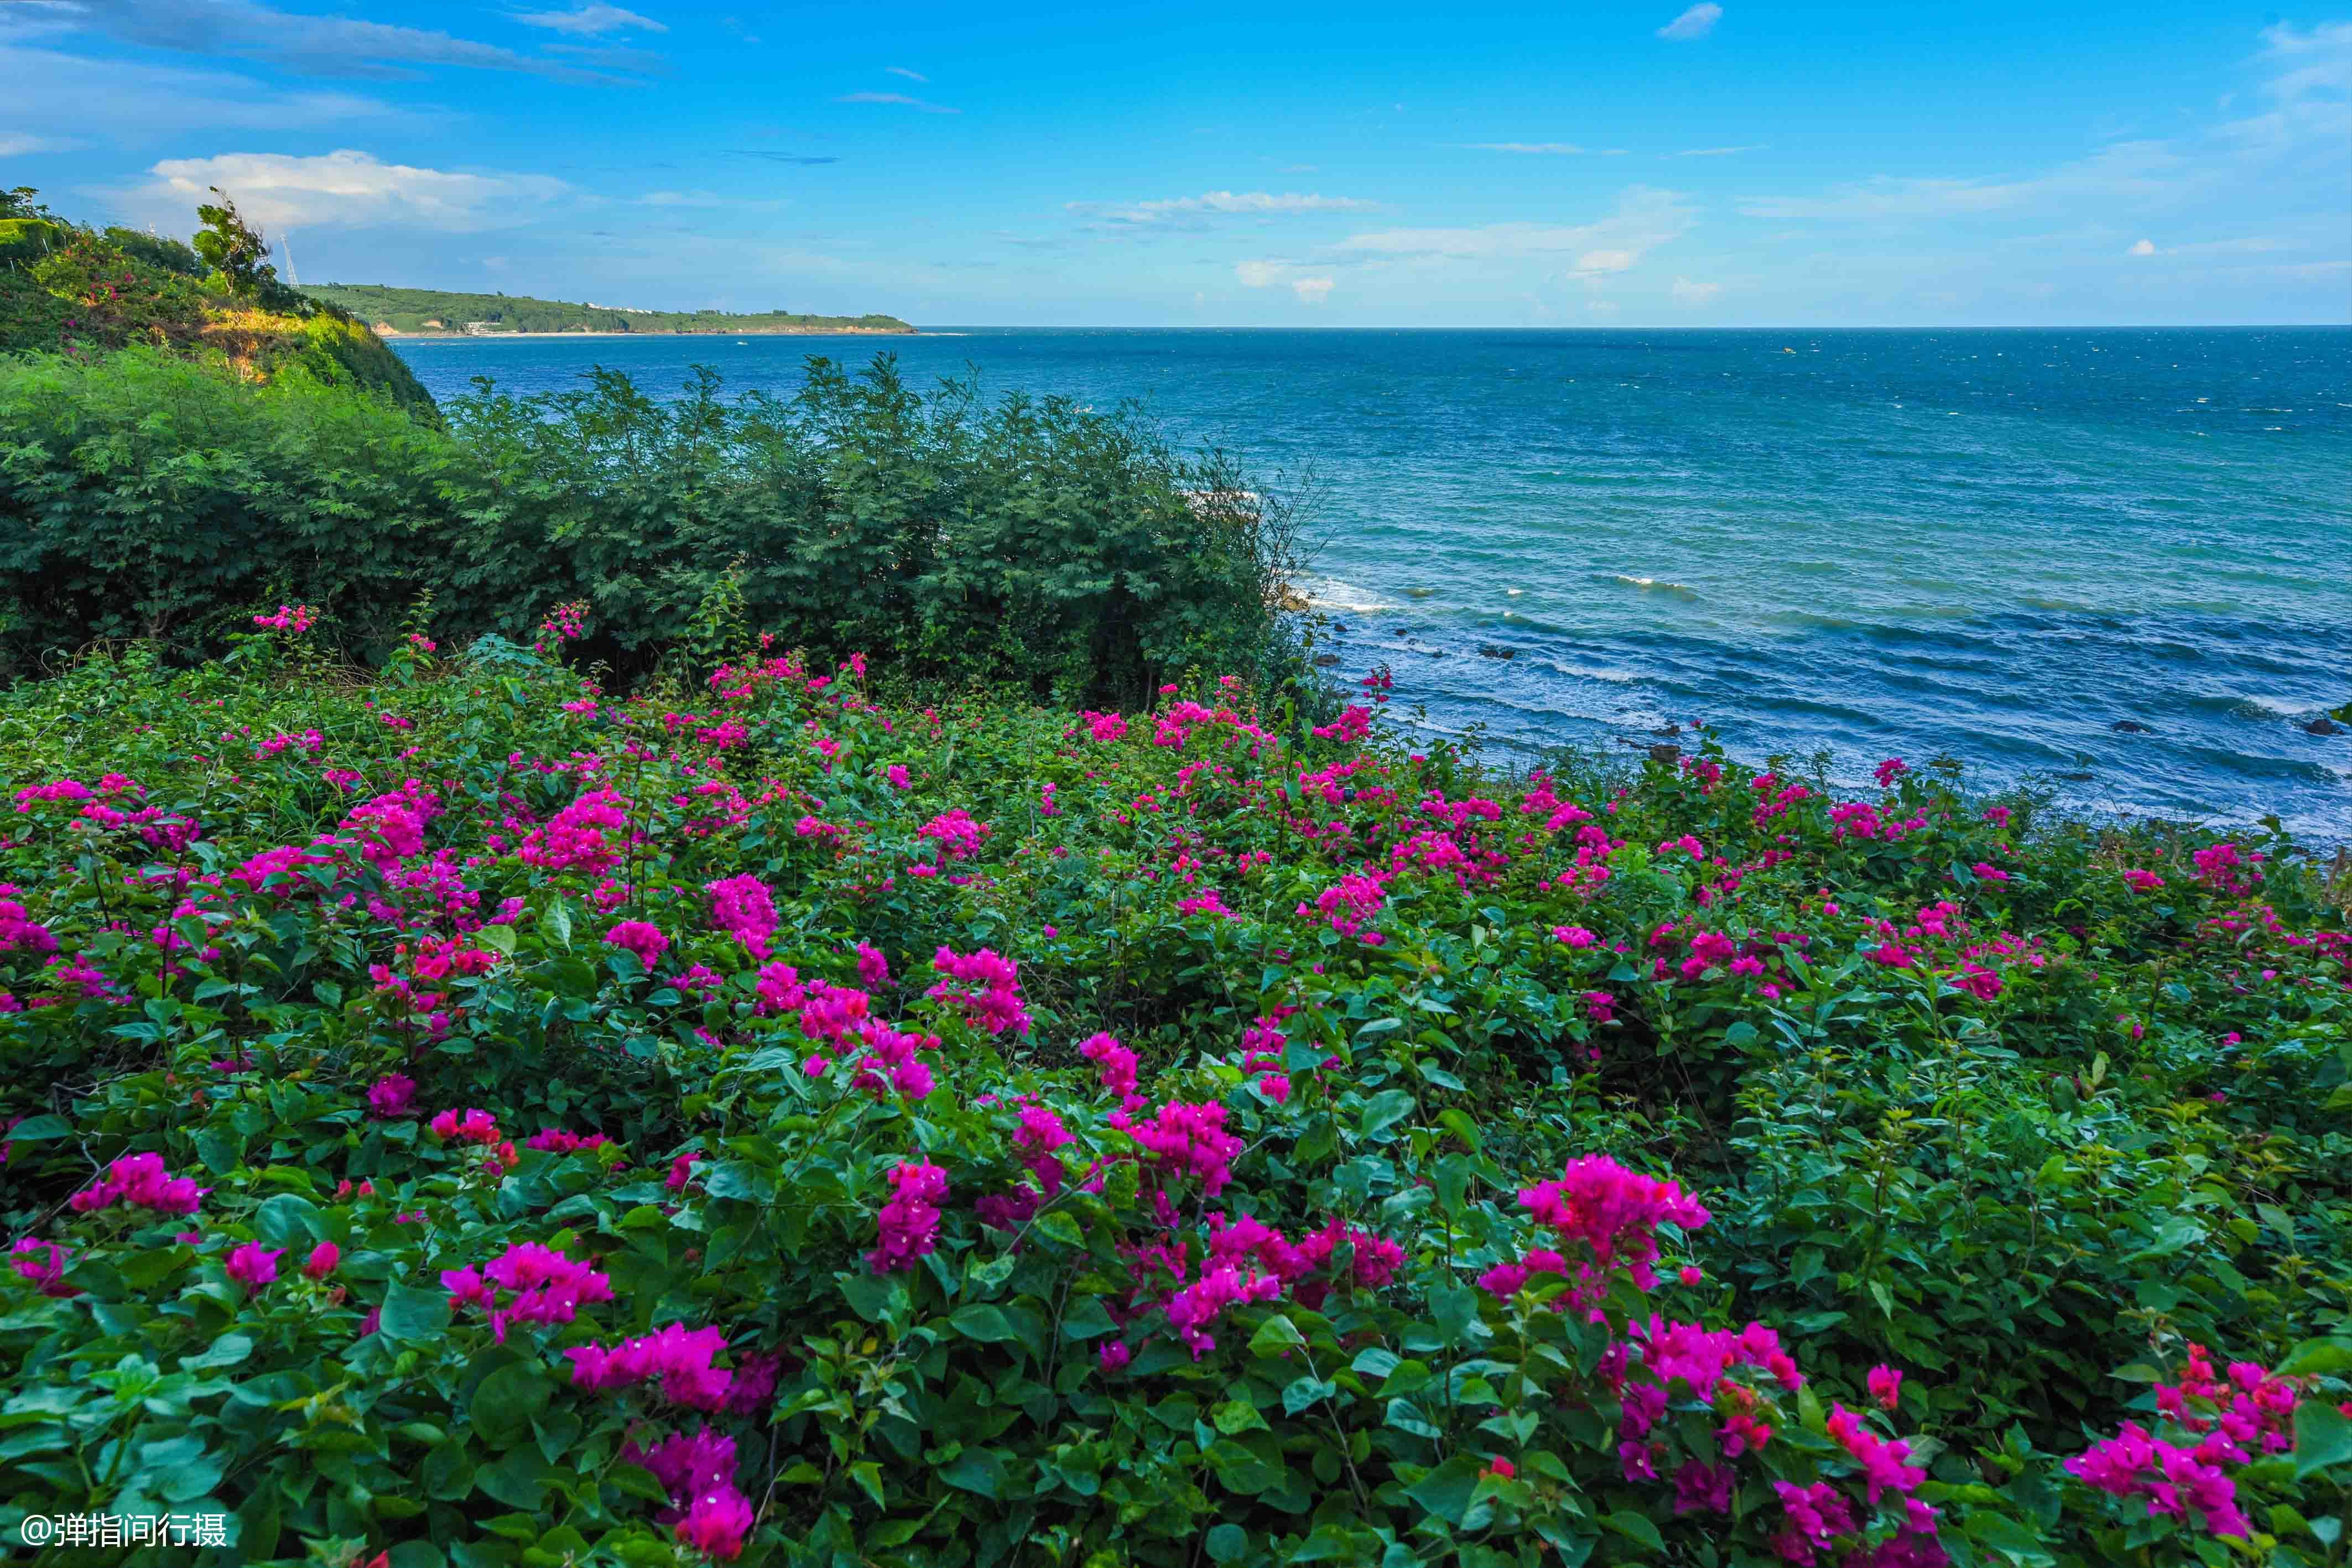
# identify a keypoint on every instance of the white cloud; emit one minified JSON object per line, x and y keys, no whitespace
{"x":1695,"y":23}
{"x":1223,"y":203}
{"x":1719,"y":152}
{"x":897,"y":98}
{"x":1299,"y":169}
{"x":347,"y":189}
{"x":589,"y":21}
{"x":1644,"y":219}
{"x":2145,"y":247}
{"x":1311,"y":289}
{"x":1551,"y":146}
{"x":1689,"y":293}
{"x":903,"y":71}
{"x":682,"y":199}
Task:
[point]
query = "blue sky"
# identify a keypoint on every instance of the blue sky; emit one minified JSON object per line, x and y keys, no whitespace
{"x":1117,"y":163}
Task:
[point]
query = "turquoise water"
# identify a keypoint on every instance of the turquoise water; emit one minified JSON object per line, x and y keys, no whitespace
{"x":1994,"y":544}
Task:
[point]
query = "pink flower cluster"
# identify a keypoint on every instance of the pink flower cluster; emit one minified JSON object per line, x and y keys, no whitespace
{"x":1347,"y":905}
{"x":1183,"y":1140}
{"x":543,"y":1286}
{"x":743,"y":906}
{"x":1117,"y":1065}
{"x":2236,"y":1418}
{"x":698,"y":1472}
{"x":956,"y":834}
{"x":985,"y":985}
{"x":909,"y":1223}
{"x":681,"y":1360}
{"x":142,"y":1182}
{"x":1615,"y":1212}
{"x":295,"y":618}
{"x":643,"y":938}
{"x":589,"y":835}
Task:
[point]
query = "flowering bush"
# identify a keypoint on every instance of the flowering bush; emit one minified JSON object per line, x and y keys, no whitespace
{"x":573,"y":1127}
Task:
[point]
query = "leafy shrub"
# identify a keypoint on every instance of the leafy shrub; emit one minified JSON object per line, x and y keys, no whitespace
{"x":759,"y":1123}
{"x":1030,"y":542}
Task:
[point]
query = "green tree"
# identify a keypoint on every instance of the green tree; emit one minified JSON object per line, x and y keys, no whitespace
{"x":234,"y":248}
{"x":18,"y":203}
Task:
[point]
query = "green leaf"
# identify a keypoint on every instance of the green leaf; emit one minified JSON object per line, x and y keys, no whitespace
{"x":2326,"y":1357}
{"x":1235,"y":1416}
{"x":1089,"y":1319}
{"x":1445,"y":1492}
{"x":506,"y":1402}
{"x":39,"y":1129}
{"x":873,"y":1297}
{"x":1306,"y":1391}
{"x":518,"y":1480}
{"x":1384,"y":1111}
{"x":978,"y":1470}
{"x":1227,"y":1543}
{"x":1635,"y":1527}
{"x":982,"y":1322}
{"x":1275,"y":1335}
{"x":413,"y":1316}
{"x":2323,"y":1438}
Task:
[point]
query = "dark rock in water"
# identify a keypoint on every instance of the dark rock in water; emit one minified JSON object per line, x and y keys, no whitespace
{"x":1489,"y":651}
{"x":1665,"y":753}
{"x":1325,"y":660}
{"x":2322,"y":726}
{"x":2075,"y":777}
{"x":1338,"y":625}
{"x":2133,"y":727}
{"x":1400,"y":631}
{"x":1667,"y":730}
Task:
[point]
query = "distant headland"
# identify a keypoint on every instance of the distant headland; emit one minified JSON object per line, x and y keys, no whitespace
{"x":437,"y":313}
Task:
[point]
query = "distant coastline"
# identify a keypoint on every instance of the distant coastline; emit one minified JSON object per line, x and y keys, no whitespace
{"x":383,"y":331}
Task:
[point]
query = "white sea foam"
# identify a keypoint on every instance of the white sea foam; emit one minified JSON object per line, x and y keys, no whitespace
{"x":1651,"y":584}
{"x":1330,"y":594}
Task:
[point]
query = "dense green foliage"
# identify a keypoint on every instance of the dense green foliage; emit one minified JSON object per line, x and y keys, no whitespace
{"x":1032,"y":541}
{"x":2015,"y":1108}
{"x":445,"y":311}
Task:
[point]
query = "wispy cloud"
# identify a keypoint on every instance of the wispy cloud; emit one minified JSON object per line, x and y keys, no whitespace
{"x":1696,"y":23}
{"x":1222,"y":204}
{"x":1557,"y":148}
{"x":898,"y":98}
{"x":1718,"y":151}
{"x":802,"y":159}
{"x":1312,"y":288}
{"x":2142,"y":247}
{"x":18,"y":146}
{"x":321,"y":45}
{"x":1645,"y":218}
{"x":348,"y":189}
{"x":589,"y":21}
{"x":123,"y":100}
{"x":2138,"y":170}
{"x":911,"y":75}
{"x":1687,"y":292}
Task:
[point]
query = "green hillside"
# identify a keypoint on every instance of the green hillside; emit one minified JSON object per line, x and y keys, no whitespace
{"x":69,"y":288}
{"x":439,"y":310}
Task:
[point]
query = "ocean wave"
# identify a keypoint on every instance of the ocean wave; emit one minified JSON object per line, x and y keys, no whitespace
{"x":1682,"y":590}
{"x":1330,"y":594}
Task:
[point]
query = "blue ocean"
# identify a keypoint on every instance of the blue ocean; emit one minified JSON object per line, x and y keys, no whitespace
{"x":2118,"y":562}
